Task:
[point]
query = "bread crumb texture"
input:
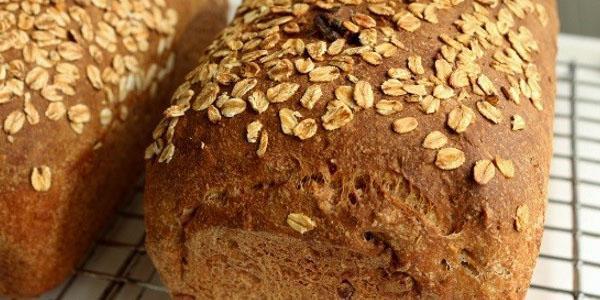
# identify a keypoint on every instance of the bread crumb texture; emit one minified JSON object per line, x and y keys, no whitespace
{"x":381,"y":143}
{"x":52,"y":53}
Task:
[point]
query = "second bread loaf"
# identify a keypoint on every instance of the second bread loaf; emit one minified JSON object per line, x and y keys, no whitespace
{"x":81,"y":82}
{"x":359,"y":149}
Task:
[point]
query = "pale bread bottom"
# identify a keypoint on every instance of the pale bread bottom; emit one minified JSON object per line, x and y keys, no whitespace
{"x":227,"y":263}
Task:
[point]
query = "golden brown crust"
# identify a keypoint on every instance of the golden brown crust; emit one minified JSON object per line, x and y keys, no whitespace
{"x":49,"y":224}
{"x":453,"y":228}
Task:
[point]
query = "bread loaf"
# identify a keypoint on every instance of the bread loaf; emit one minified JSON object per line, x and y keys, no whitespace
{"x":361,"y":149}
{"x":78,"y":86}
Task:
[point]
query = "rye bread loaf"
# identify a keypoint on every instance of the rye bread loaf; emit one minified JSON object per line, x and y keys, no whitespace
{"x":358,"y":149}
{"x":82,"y":84}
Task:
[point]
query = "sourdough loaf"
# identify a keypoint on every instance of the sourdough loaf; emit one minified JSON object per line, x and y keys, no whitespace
{"x":360,"y":149}
{"x":79,"y":81}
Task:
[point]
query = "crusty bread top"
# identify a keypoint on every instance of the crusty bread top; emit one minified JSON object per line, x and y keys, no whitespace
{"x":263,"y":58}
{"x":73,"y":63}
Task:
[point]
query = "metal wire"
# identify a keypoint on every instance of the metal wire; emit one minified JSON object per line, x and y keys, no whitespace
{"x":118,"y":281}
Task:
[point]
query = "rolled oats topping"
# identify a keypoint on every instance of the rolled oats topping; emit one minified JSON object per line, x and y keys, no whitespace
{"x":363,"y":94}
{"x":505,"y":166}
{"x":460,"y":118}
{"x":52,"y":52}
{"x":435,"y":140}
{"x":282,"y":92}
{"x":253,"y":130}
{"x":484,"y":171}
{"x":388,"y":107}
{"x":306,"y":129}
{"x":41,"y":178}
{"x":449,"y":158}
{"x":405,"y":125}
{"x":300,"y":222}
{"x":296,"y":62}
{"x":522,"y":218}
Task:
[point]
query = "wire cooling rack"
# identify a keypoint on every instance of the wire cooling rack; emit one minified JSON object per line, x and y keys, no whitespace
{"x":569,"y":264}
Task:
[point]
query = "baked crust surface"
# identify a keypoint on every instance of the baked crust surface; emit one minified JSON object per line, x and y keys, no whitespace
{"x":419,"y":171}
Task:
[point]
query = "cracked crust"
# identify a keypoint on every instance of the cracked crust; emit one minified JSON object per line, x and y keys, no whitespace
{"x":45,"y":234}
{"x":389,"y":222}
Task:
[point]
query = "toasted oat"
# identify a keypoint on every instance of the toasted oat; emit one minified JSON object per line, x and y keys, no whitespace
{"x":443,"y":92}
{"x":415,"y":89}
{"x":304,"y":65}
{"x":415,"y":65}
{"x":435,"y":140}
{"x":55,"y":111}
{"x":345,"y":93}
{"x":301,"y":222}
{"x":176,"y":110}
{"x":386,"y":50}
{"x":41,"y":178}
{"x":484,"y":171}
{"x":31,"y":113}
{"x":79,"y":113}
{"x":51,"y":93}
{"x":364,"y":20}
{"x":486,"y":85}
{"x":489,"y":111}
{"x":343,"y":62}
{"x":393,"y":87}
{"x":506,"y":167}
{"x":338,"y":114}
{"x":14,"y":122}
{"x":289,"y":120}
{"x":407,"y":21}
{"x":316,"y":50}
{"x":37,"y":78}
{"x":450,"y":159}
{"x":280,"y":70}
{"x":459,"y":79}
{"x":460,"y":118}
{"x":70,"y":51}
{"x":206,"y":97}
{"x":324,"y":74}
{"x":242,"y":87}
{"x":372,"y":57}
{"x":306,"y":129}
{"x":336,"y":47}
{"x":167,"y":153}
{"x":214,"y":115}
{"x":381,"y":9}
{"x":263,"y":144}
{"x":363,"y":94}
{"x":350,"y":26}
{"x":93,"y":74}
{"x":443,"y":69}
{"x":311,"y":96}
{"x":253,"y":130}
{"x":232,"y":107}
{"x":5,"y":94}
{"x":399,"y":73}
{"x":405,"y":125}
{"x":429,"y":104}
{"x":282,"y":92}
{"x":258,"y":101}
{"x":106,"y":116}
{"x":522,"y":218}
{"x":388,"y":107}
{"x":518,"y":123}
